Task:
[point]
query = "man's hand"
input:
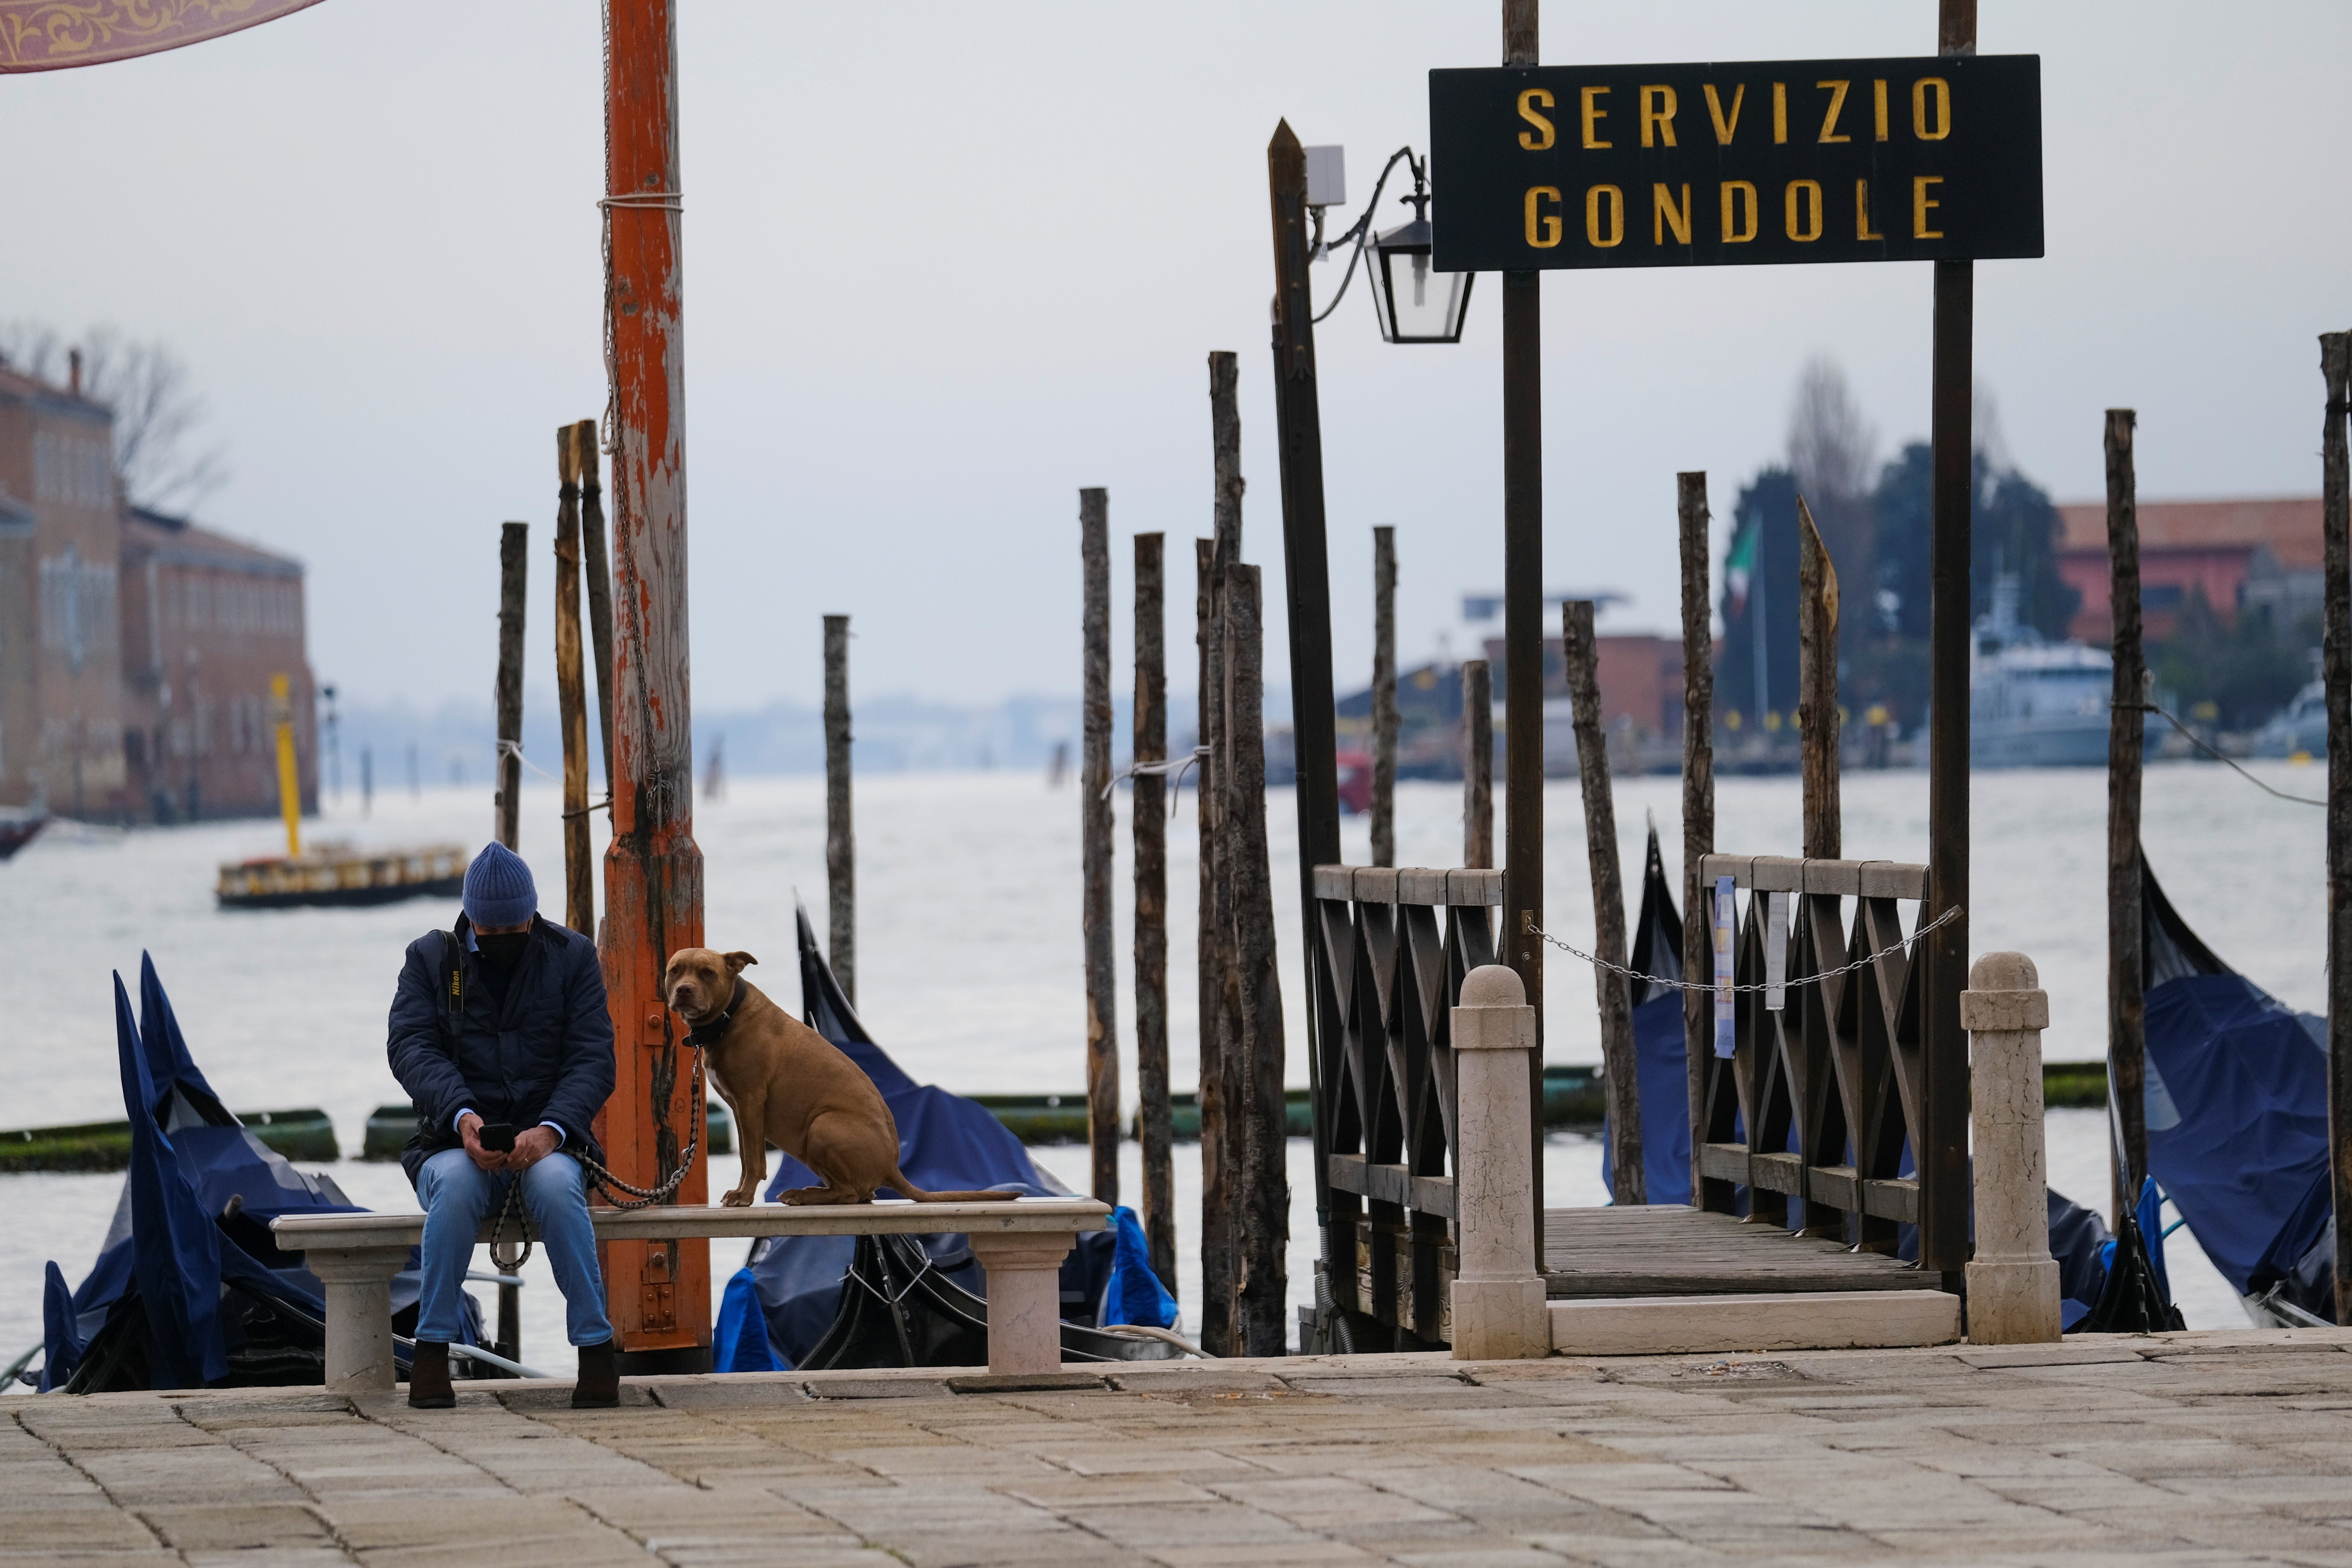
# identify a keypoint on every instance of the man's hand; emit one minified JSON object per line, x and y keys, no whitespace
{"x":468,"y":1127}
{"x":531,"y":1147}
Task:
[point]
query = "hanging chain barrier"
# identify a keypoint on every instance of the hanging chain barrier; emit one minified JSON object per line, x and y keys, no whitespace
{"x":1171,"y":768}
{"x":1947,"y":918}
{"x":2201,"y":744}
{"x":605,"y":1182}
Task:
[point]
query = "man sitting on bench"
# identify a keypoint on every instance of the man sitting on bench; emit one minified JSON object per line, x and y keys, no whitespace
{"x":499,"y":1027}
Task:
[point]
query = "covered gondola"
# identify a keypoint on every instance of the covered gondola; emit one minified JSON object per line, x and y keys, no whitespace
{"x":2237,"y":1120}
{"x":1658,"y":1040}
{"x":189,"y":1289}
{"x":817,"y":1303}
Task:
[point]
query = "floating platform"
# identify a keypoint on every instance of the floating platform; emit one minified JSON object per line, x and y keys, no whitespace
{"x":1669,"y":1249}
{"x":332,"y":875}
{"x":305,"y":1134}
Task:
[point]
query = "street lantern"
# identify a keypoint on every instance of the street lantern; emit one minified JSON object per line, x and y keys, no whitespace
{"x":1416,"y":304}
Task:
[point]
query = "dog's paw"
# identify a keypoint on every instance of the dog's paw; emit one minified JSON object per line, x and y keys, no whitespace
{"x":735,"y":1200}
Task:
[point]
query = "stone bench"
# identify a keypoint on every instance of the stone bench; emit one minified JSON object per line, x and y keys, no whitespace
{"x":1021,"y":1244}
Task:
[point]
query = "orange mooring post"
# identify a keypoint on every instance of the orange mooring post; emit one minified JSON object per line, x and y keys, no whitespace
{"x":659,"y":1291}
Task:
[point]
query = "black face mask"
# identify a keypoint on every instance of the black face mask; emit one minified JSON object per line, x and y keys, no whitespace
{"x":504,"y":950}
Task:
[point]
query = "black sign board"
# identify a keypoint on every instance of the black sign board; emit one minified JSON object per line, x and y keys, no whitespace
{"x":1935,"y":159}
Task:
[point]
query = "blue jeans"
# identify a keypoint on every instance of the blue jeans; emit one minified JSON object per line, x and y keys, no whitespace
{"x":459,"y":1197}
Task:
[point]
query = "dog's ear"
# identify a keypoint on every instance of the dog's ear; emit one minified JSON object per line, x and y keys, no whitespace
{"x":736,"y":961}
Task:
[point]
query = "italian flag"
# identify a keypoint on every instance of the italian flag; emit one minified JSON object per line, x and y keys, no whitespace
{"x":1739,"y":567}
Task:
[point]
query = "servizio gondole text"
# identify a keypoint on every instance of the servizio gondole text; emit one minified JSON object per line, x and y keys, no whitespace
{"x":1783,"y":161}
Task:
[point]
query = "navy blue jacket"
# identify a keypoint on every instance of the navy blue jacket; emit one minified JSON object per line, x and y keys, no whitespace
{"x":545,"y":1055}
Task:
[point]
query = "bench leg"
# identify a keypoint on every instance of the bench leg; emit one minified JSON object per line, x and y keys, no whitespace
{"x":359,"y":1315}
{"x":1024,"y":1300}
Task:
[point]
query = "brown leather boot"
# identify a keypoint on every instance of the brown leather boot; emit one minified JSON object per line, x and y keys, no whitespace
{"x":428,"y":1377}
{"x":599,"y":1387}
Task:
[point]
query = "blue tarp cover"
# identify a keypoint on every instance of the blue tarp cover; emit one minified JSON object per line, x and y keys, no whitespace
{"x":2237,"y":1117}
{"x":171,"y":1240}
{"x":946,"y":1143}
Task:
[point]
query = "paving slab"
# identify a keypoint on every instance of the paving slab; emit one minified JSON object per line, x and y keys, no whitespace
{"x":2175,"y":1449}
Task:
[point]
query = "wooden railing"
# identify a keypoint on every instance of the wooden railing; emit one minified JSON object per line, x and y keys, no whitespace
{"x":1814,"y":1113}
{"x":1393,"y":948}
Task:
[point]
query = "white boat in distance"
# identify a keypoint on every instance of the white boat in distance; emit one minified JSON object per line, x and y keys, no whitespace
{"x":2034,"y":703}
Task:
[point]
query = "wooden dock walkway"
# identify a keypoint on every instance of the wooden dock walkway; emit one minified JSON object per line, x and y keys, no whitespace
{"x":2196,"y":1448}
{"x":1670,"y":1249}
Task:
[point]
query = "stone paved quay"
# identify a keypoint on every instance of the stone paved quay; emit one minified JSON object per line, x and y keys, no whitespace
{"x":2196,"y":1448}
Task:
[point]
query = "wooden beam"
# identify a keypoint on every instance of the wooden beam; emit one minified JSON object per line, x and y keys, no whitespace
{"x":1477,"y":763}
{"x":1219,"y":1177}
{"x":659,"y":1291}
{"x":1629,"y":1179}
{"x":570,"y":691}
{"x":840,"y":829}
{"x":1299,"y":435}
{"x":1817,"y":688}
{"x":1261,"y":1274}
{"x":2335,"y":367}
{"x":1943,"y":1151}
{"x":1523,"y":826}
{"x":1094,"y":818}
{"x":1384,"y":696}
{"x":2126,"y":981}
{"x":596,"y":560}
{"x":514,"y":570}
{"x":1698,"y":802}
{"x":1156,"y":1127}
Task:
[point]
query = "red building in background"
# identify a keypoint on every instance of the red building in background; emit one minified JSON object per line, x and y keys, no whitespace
{"x":2241,"y":554}
{"x":136,"y":649}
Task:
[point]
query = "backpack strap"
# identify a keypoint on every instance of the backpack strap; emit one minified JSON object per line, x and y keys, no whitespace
{"x":451,"y":999}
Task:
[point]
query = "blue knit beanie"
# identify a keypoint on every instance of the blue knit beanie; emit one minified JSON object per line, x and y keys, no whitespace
{"x":499,"y":888}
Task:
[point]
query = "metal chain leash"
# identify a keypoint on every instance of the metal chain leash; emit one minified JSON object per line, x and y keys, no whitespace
{"x":605,"y":1182}
{"x":1710,"y":986}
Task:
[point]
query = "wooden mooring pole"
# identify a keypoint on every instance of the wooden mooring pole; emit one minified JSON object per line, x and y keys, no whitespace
{"x":1262,"y":1234}
{"x":1305,"y":555}
{"x":1477,"y":763}
{"x":1155,"y":1128}
{"x":597,"y":563}
{"x":840,"y":835}
{"x":1698,"y":816}
{"x":1628,"y":1182}
{"x":1220,"y":984}
{"x":1817,"y":689}
{"x":1523,"y":827}
{"x":571,"y":695}
{"x":1095,"y":820}
{"x":514,"y":571}
{"x":1384,"y":696}
{"x":658,"y":1292}
{"x":2126,"y":721}
{"x":1218,"y":1181}
{"x":2335,"y":367}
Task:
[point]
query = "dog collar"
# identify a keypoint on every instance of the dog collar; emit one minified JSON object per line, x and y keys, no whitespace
{"x":710,"y":1030}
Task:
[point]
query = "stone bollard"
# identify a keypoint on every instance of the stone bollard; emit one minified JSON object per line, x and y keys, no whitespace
{"x":1498,"y":1297}
{"x":2013,"y":1279}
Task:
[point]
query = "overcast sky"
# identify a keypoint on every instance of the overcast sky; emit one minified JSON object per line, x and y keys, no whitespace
{"x":946,"y":263}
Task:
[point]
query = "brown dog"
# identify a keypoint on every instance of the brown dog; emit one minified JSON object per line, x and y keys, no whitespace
{"x":787,"y":1085}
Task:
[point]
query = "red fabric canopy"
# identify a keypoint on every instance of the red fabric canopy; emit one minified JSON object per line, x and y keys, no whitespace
{"x":50,"y":35}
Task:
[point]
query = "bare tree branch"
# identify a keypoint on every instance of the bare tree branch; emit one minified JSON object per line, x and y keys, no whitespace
{"x":158,"y":455}
{"x":1832,"y":447}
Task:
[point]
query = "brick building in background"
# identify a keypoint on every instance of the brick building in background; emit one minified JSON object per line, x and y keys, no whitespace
{"x":136,"y":650}
{"x":2241,"y":554}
